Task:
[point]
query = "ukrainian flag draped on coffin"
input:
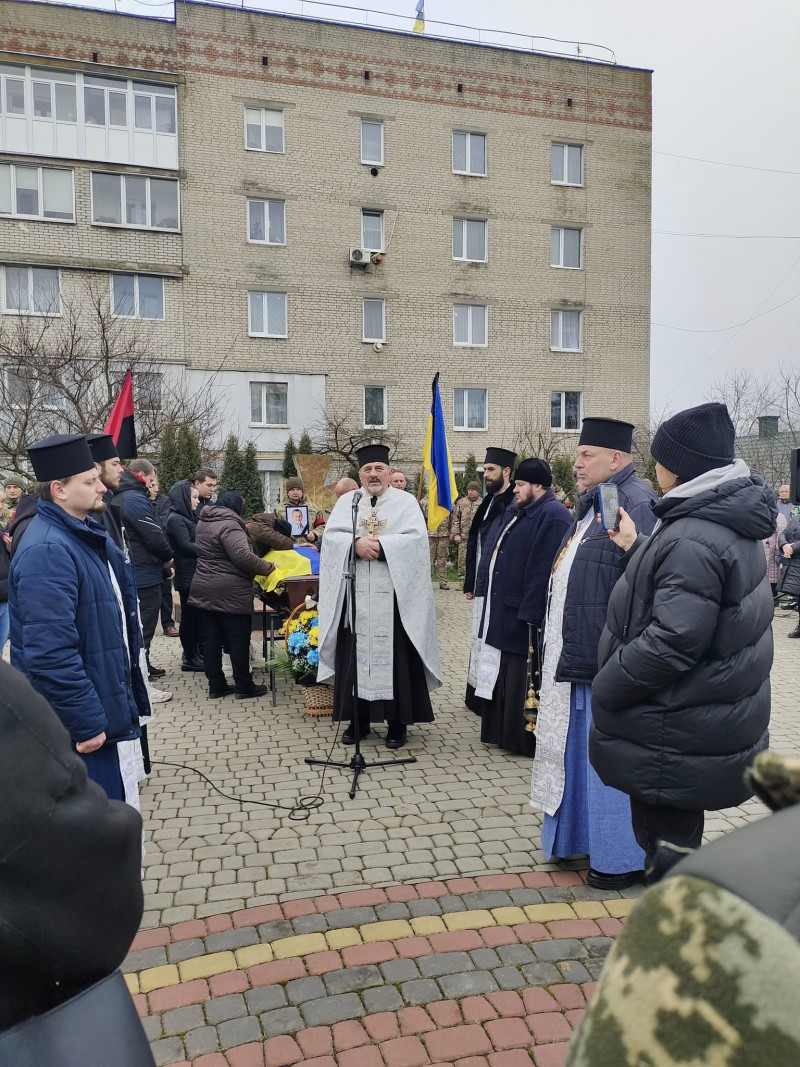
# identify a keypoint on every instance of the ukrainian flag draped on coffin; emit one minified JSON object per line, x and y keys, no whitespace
{"x":442,"y":490}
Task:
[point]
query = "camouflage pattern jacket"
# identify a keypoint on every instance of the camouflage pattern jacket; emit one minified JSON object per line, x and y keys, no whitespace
{"x":707,"y":967}
{"x":463,"y":514}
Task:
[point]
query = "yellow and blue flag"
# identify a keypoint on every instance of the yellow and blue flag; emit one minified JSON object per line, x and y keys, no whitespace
{"x":419,"y":24}
{"x":436,"y":460}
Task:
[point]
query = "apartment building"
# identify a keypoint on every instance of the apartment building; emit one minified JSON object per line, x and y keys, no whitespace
{"x":323,"y":216}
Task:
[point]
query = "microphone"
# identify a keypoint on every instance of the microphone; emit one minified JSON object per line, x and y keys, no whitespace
{"x":357,"y":498}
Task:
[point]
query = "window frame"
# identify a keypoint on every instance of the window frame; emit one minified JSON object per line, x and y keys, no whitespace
{"x":30,"y":268}
{"x":263,"y":108}
{"x":147,"y":178}
{"x":469,"y":134}
{"x":39,"y":168}
{"x":466,"y":389}
{"x":373,"y":340}
{"x":562,"y":394}
{"x":262,"y":385}
{"x":561,"y":231}
{"x":560,"y":312}
{"x":263,"y":293}
{"x":137,"y":316}
{"x":375,"y":425}
{"x":470,"y":343}
{"x":373,"y":162}
{"x":463,"y":220}
{"x":373,"y":211}
{"x":266,"y":201}
{"x":566,"y":145}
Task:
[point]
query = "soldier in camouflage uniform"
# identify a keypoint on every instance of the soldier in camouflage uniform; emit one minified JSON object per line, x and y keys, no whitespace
{"x":461,"y":520}
{"x":295,"y":493}
{"x":706,"y":970}
{"x":439,"y":545}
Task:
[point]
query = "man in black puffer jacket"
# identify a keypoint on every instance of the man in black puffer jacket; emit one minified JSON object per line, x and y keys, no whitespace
{"x":681,"y":702}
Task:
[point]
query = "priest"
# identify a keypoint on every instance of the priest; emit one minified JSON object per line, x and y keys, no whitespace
{"x":395,"y":631}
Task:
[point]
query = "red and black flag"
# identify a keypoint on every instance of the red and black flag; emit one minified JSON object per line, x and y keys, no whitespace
{"x":120,"y":421}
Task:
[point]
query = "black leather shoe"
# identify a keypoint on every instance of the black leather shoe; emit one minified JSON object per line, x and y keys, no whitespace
{"x":155,"y":672}
{"x":215,"y":694}
{"x":795,"y":632}
{"x":192,"y":665}
{"x":396,"y":736}
{"x":599,"y":880}
{"x":349,"y":736}
{"x":253,"y":691}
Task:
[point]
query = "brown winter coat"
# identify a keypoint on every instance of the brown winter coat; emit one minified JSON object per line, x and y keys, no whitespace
{"x":265,"y":537}
{"x":226,"y":563}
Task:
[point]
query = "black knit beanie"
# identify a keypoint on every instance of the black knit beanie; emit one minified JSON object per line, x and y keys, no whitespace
{"x":695,"y":441}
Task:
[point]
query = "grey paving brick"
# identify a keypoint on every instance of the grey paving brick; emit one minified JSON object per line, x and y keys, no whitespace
{"x":599,"y":946}
{"x":449,"y":904}
{"x":473,"y":984}
{"x":509,"y":978}
{"x":310,"y":924}
{"x":179,"y":951}
{"x":151,"y":1024}
{"x":445,"y":963}
{"x":485,"y":959}
{"x":179,"y":1020}
{"x":265,"y":998}
{"x":421,"y":991}
{"x":556,"y":894}
{"x":338,"y":920}
{"x":220,"y":1009}
{"x":202,"y":1041}
{"x":144,"y":958}
{"x":588,"y":892}
{"x":633,"y":890}
{"x":168,"y":1050}
{"x":383,"y":998}
{"x":230,"y":939}
{"x":274,"y":931}
{"x":541,"y":974}
{"x":302,"y":989}
{"x":329,"y":1010}
{"x":396,"y":971}
{"x":561,"y":949}
{"x":282,"y":1021}
{"x":515,"y":954}
{"x":396,"y":910}
{"x":521,"y":897}
{"x":572,"y":971}
{"x":424,"y":906}
{"x":238,"y":1031}
{"x":594,"y":967}
{"x":353,"y":978}
{"x":487,"y":898}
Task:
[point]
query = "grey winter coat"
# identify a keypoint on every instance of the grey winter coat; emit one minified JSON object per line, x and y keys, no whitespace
{"x":226,"y":563}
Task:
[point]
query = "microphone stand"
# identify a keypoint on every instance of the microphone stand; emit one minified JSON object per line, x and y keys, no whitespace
{"x":357,"y":763}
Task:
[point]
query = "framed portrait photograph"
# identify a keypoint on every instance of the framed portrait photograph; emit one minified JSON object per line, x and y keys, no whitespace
{"x":297,"y":515}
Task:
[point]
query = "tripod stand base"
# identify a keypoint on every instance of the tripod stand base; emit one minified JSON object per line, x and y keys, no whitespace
{"x":357,"y":764}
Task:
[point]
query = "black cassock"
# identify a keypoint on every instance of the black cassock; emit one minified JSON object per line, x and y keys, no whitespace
{"x":411,"y":703}
{"x":502,"y":721}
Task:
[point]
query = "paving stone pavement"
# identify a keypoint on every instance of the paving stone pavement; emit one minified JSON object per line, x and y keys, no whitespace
{"x":417,"y":924}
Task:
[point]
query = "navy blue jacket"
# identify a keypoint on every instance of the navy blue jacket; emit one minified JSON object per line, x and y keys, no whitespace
{"x":66,"y":630}
{"x":522,"y":571}
{"x":484,"y":531}
{"x":150,"y":548}
{"x":594,"y":573}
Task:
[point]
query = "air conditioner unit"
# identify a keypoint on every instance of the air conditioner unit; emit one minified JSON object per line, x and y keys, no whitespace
{"x":360,"y":257}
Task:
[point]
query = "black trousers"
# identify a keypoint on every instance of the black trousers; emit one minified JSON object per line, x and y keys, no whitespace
{"x":234,"y":631}
{"x":190,"y":633}
{"x":166,"y":604}
{"x":149,"y":607}
{"x":653,"y":823}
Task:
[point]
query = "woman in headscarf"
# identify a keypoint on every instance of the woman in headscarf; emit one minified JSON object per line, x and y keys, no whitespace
{"x":181,"y":526}
{"x":222,"y":588}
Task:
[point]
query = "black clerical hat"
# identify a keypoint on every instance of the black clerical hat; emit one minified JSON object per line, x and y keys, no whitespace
{"x":501,"y":457}
{"x":102,"y":447}
{"x":373,"y":454}
{"x":60,"y":456}
{"x":535,"y":471}
{"x":607,"y":433}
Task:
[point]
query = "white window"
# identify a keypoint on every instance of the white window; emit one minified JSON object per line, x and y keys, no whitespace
{"x":470,"y":324}
{"x":137,"y":296}
{"x":32,"y":291}
{"x":263,"y":129}
{"x":266,"y":222}
{"x":566,"y":331}
{"x":372,"y":230}
{"x":273,"y":484}
{"x":147,"y":389}
{"x":267,"y":315}
{"x":565,"y":411}
{"x":154,"y":108}
{"x":566,"y":164}
{"x":28,"y":392}
{"x":374,"y":407}
{"x":269,"y":403}
{"x":469,"y":153}
{"x":130,"y":200}
{"x":36,"y":192}
{"x":565,"y":247}
{"x":469,"y":240}
{"x":469,"y":409}
{"x":374,"y":320}
{"x":372,"y":142}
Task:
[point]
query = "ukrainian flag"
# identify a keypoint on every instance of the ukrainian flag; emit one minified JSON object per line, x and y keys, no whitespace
{"x":442,"y":490}
{"x":419,"y":24}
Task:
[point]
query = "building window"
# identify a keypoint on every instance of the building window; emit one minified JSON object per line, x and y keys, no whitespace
{"x":27,"y":393}
{"x":137,"y":296}
{"x":263,"y":129}
{"x":266,"y":222}
{"x":273,"y":484}
{"x":566,"y":331}
{"x":374,"y":320}
{"x":374,"y":407}
{"x":267,"y":315}
{"x":470,"y":324}
{"x":469,"y":409}
{"x":565,"y":411}
{"x":130,"y":200}
{"x":32,"y":291}
{"x":269,"y":403}
{"x":565,"y":247}
{"x":36,"y":192}
{"x":469,"y":240}
{"x":372,"y":230}
{"x":469,"y":153}
{"x":147,"y":389}
{"x":372,"y":142}
{"x":566,"y":164}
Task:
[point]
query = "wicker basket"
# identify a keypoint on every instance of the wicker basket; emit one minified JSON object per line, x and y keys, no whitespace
{"x":319,"y":699}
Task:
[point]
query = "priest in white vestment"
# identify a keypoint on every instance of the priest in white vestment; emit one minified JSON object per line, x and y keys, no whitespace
{"x":397,"y":653}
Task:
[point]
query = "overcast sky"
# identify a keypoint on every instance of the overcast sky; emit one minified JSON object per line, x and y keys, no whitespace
{"x":726,"y":86}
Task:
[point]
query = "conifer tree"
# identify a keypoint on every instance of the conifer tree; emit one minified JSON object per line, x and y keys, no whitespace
{"x":469,"y":474}
{"x":190,"y":458}
{"x":168,"y":460}
{"x":305,"y":448}
{"x":231,"y":476}
{"x":289,"y":469}
{"x":252,"y":484}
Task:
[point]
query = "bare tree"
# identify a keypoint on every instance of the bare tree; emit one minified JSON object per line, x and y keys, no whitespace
{"x":533,"y":435}
{"x":63,"y":374}
{"x":339,"y":430}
